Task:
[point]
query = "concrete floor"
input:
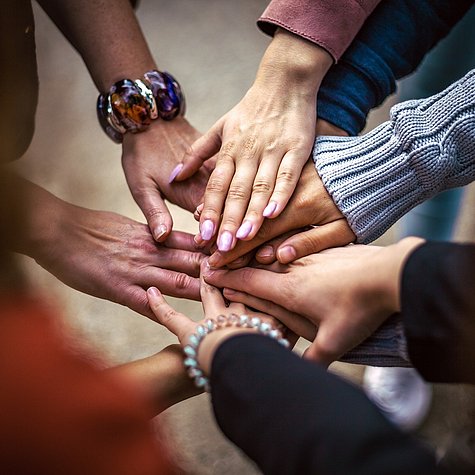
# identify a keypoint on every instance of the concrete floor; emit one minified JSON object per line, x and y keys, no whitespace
{"x":214,"y":48}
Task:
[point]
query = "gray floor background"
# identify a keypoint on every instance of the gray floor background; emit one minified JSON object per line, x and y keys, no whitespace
{"x":214,"y":48}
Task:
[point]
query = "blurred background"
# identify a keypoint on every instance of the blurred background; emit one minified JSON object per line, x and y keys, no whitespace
{"x":214,"y":48}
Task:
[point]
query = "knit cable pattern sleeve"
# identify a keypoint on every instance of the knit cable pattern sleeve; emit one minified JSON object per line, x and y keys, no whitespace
{"x":426,"y":147}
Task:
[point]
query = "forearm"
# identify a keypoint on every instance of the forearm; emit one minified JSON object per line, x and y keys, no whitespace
{"x":294,"y":63}
{"x":425,"y":148}
{"x":160,"y":378}
{"x":292,"y":417}
{"x":390,"y":45}
{"x":438,"y":308}
{"x":330,"y":25}
{"x":107,"y":36}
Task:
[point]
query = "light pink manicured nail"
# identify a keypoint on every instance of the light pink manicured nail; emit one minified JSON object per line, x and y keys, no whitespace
{"x":175,"y":172}
{"x":207,"y":230}
{"x":225,"y":240}
{"x":269,"y":209}
{"x":244,"y":230}
{"x":287,"y":254}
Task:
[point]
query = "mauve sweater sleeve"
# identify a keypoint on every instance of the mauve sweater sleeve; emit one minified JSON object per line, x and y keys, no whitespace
{"x":331,"y":24}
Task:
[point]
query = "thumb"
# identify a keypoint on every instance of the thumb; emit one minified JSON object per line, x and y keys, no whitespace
{"x":200,"y":151}
{"x":334,"y":234}
{"x":176,"y":322}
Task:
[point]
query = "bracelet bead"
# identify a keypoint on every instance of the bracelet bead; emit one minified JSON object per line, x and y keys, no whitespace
{"x":221,"y":321}
{"x":130,"y":106}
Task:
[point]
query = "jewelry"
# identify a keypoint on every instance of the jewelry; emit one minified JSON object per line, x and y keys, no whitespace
{"x":191,"y":349}
{"x":130,"y":106}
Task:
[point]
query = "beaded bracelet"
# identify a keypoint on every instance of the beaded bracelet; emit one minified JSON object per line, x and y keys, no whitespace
{"x":130,"y":106}
{"x":208,"y":326}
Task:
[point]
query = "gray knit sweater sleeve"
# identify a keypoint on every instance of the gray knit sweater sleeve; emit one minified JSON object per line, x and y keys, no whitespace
{"x":426,"y":147}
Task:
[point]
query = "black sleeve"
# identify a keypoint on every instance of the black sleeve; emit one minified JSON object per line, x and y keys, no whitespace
{"x":438,"y":308}
{"x":292,"y":417}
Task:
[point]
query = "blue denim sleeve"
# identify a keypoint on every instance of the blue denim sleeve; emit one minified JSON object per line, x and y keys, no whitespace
{"x":391,"y":44}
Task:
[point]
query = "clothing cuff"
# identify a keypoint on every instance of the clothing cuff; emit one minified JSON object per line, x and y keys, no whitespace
{"x":359,"y":82}
{"x":331,"y":24}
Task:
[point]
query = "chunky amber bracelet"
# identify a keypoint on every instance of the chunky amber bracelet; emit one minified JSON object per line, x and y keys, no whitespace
{"x":130,"y":106}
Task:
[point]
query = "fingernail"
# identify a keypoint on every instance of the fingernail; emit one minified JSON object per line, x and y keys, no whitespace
{"x":269,"y":209}
{"x":229,"y":291}
{"x":225,"y":240}
{"x":159,"y":231}
{"x":286,"y":254}
{"x":244,"y":230}
{"x":153,"y":291}
{"x":199,"y":243}
{"x":266,"y":251}
{"x":207,"y":229}
{"x":175,"y":172}
{"x":200,"y":207}
{"x":213,"y":261}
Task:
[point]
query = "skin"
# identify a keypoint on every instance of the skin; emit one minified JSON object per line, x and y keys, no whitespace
{"x":344,"y":293}
{"x":213,"y":305}
{"x":149,"y":157}
{"x":262,"y":143}
{"x":105,"y":254}
{"x":301,"y":212}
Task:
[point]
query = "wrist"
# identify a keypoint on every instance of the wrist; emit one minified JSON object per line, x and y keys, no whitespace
{"x":394,"y":258}
{"x":293,"y":60}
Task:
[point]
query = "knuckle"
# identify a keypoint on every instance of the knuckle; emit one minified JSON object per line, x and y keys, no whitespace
{"x":261,"y":187}
{"x":238,"y":192}
{"x":227,"y":151}
{"x":287,"y":176}
{"x":182,"y":281}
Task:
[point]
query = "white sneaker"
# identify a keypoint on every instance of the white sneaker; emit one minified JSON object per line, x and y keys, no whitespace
{"x":400,"y":393}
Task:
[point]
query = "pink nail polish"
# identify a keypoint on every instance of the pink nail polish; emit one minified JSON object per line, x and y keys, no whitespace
{"x":207,"y":230}
{"x":270,"y":209}
{"x":244,"y":230}
{"x":225,"y":240}
{"x":175,"y":172}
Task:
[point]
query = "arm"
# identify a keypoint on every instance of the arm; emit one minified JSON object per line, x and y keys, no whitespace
{"x":108,"y":37}
{"x":425,"y":148}
{"x":329,"y":24}
{"x":101,"y":253}
{"x":297,"y":418}
{"x":390,"y":45}
{"x":438,"y":307}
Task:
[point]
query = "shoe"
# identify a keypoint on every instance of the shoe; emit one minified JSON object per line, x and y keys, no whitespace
{"x":400,"y":393}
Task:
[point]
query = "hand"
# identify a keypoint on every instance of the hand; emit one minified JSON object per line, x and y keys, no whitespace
{"x":148,"y":159}
{"x":105,"y":254}
{"x":263,"y":142}
{"x":213,"y":305}
{"x":310,"y":205}
{"x":346,"y":293}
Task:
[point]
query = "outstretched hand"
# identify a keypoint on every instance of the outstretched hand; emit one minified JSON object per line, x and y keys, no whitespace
{"x":149,"y":158}
{"x":310,"y":205}
{"x":344,"y":293}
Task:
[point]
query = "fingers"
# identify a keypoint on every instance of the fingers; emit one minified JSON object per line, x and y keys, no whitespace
{"x":211,"y":297}
{"x":175,"y":284}
{"x":236,"y":203}
{"x":262,"y":188}
{"x":259,"y":282}
{"x":287,"y":177}
{"x":298,"y":324}
{"x":180,"y":240}
{"x":174,"y":321}
{"x":334,"y":234}
{"x":154,"y":209}
{"x":215,"y":195}
{"x":320,"y":351}
{"x":200,"y":151}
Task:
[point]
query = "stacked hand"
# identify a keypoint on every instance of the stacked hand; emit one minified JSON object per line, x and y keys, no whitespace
{"x":336,"y":298}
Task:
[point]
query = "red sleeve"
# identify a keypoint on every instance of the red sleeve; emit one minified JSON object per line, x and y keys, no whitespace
{"x":59,"y":413}
{"x":331,"y":24}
